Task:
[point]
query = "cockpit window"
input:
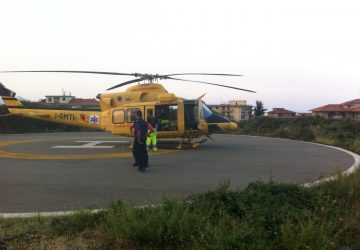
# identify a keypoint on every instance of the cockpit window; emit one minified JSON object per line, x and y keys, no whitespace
{"x":207,"y":111}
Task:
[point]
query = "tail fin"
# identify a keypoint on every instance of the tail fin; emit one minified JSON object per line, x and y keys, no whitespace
{"x":8,"y":97}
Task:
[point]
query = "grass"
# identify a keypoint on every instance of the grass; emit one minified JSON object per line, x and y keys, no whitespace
{"x":261,"y":216}
{"x":342,"y":133}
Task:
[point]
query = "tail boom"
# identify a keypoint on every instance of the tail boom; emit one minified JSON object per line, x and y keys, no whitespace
{"x":81,"y":118}
{"x":9,"y":98}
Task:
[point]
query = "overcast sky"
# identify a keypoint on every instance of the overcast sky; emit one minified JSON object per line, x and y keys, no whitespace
{"x":295,"y":54}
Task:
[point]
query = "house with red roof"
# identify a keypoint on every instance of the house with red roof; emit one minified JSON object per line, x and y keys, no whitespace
{"x":350,"y":109}
{"x":70,"y":102}
{"x":281,"y":113}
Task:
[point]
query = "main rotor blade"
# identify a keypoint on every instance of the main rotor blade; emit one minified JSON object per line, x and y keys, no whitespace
{"x":70,"y":71}
{"x":202,"y":74}
{"x":126,"y":83}
{"x":215,"y":84}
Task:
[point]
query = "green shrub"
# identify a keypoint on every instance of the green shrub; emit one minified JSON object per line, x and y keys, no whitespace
{"x":173,"y":223}
{"x":344,"y":133}
{"x":75,"y":223}
{"x":305,"y":234}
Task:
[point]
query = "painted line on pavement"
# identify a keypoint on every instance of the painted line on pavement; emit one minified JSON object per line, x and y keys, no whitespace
{"x":91,"y":145}
{"x":14,"y":155}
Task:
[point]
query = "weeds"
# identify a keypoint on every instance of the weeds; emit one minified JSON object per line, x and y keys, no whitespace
{"x":343,"y":133}
{"x":261,"y":216}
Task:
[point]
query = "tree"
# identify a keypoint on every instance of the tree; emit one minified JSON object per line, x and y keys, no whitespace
{"x":259,"y":109}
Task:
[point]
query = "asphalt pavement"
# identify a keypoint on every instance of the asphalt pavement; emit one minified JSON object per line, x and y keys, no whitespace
{"x":66,"y":171}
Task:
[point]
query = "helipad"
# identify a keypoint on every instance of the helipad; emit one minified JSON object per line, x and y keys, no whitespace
{"x":66,"y":171}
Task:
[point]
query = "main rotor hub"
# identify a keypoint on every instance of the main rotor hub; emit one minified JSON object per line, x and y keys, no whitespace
{"x":150,"y":77}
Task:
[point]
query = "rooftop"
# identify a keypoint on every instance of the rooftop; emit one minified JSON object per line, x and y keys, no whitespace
{"x":80,"y":101}
{"x":339,"y":107}
{"x":355,"y":101}
{"x":280,"y":111}
{"x":228,"y":105}
{"x":59,"y":96}
{"x":330,"y":108}
{"x":74,"y":102}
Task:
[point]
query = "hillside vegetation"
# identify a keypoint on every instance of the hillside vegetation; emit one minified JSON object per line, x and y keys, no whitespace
{"x":342,"y":133}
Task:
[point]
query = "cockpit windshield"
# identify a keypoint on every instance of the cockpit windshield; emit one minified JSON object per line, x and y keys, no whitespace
{"x":207,"y":111}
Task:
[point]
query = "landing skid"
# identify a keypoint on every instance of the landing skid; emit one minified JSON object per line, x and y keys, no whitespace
{"x":180,"y":144}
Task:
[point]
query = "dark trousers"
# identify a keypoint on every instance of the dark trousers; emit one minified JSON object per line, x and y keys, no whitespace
{"x":140,"y":154}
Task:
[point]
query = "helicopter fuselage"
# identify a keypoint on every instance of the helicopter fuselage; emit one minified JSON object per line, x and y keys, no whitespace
{"x":175,"y":116}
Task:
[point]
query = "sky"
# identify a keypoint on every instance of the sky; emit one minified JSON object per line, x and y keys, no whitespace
{"x":295,"y":54}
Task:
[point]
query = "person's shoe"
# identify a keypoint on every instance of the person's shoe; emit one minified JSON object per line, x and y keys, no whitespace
{"x":154,"y":149}
{"x":135,"y":164}
{"x":141,"y":169}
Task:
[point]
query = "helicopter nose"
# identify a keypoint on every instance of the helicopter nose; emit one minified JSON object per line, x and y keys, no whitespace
{"x":232,"y":126}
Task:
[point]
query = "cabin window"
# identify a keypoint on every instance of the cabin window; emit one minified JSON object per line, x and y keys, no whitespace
{"x":130,"y":115}
{"x":207,"y":111}
{"x":119,"y":98}
{"x":118,"y":116}
{"x":167,"y":117}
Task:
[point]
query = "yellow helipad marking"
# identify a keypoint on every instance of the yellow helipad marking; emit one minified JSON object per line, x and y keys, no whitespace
{"x":7,"y":154}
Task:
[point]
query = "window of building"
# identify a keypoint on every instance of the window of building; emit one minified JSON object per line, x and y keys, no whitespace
{"x":130,"y":115}
{"x":118,"y":116}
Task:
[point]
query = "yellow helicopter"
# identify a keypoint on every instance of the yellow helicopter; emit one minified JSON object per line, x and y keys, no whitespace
{"x":178,"y":118}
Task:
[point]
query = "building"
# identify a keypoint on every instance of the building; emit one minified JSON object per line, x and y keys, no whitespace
{"x":235,"y":110}
{"x":281,"y":113}
{"x":69,"y":101}
{"x":59,"y":99}
{"x":350,"y":109}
